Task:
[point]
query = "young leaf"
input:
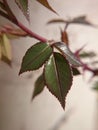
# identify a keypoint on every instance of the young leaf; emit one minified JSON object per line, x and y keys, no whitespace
{"x":46,"y":4}
{"x":6,"y":49}
{"x":64,"y":49}
{"x":64,"y":37}
{"x":58,"y":77}
{"x":23,"y":5}
{"x":35,"y":57}
{"x":39,"y":86}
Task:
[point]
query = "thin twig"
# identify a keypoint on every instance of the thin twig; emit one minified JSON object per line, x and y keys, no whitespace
{"x":32,"y":34}
{"x":3,"y":14}
{"x":14,"y":20}
{"x":8,"y":10}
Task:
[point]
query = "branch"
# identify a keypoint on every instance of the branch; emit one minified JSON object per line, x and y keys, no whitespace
{"x":8,"y":10}
{"x":32,"y":34}
{"x":11,"y":17}
{"x":3,"y":14}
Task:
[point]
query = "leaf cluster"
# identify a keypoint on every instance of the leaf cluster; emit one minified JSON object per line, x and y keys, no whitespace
{"x":57,"y":71}
{"x":59,"y":63}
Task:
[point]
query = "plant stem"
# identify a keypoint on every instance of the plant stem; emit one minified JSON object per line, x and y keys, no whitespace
{"x":29,"y":32}
{"x":11,"y":17}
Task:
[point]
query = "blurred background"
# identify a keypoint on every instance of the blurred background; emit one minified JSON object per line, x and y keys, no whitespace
{"x":17,"y":112}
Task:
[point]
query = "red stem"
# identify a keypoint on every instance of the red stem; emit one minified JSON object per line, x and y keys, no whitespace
{"x":10,"y":16}
{"x":32,"y":34}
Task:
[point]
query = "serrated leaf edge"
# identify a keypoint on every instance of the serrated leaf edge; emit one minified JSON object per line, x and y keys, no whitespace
{"x":70,"y":84}
{"x":21,"y":71}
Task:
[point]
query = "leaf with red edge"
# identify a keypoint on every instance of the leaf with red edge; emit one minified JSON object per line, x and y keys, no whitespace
{"x":23,"y":5}
{"x":35,"y":57}
{"x":46,"y":4}
{"x":58,"y":77}
{"x":39,"y":86}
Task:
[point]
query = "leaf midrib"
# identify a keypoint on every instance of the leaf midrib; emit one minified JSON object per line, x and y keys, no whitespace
{"x":36,"y":57}
{"x":58,"y":79}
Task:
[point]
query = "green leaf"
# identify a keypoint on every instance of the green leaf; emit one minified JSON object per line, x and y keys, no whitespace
{"x":6,"y":49}
{"x":87,"y":54}
{"x":64,"y":49}
{"x":75,"y":71}
{"x":35,"y":57}
{"x":58,"y":77}
{"x":46,"y":4}
{"x":39,"y":86}
{"x":95,"y":87}
{"x":23,"y":5}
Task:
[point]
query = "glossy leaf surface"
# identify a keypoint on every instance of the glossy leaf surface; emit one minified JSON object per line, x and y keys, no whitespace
{"x":35,"y":57}
{"x":58,"y":77}
{"x":62,"y":47}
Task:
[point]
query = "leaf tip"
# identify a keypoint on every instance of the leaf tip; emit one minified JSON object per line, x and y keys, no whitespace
{"x":20,"y":72}
{"x":32,"y":97}
{"x":63,"y":105}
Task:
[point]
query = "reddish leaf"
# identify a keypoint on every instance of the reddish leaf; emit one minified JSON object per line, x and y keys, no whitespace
{"x":46,"y":4}
{"x":64,"y":37}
